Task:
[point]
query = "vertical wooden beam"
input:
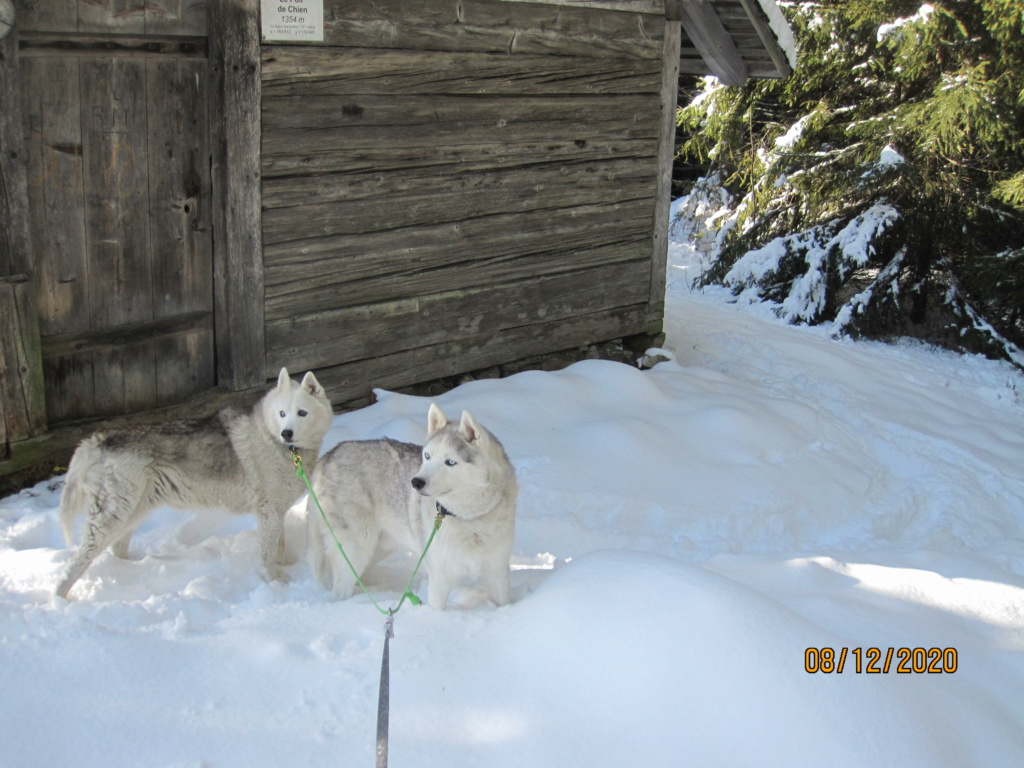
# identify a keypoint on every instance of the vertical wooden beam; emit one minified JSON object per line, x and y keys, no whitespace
{"x":22,"y":399}
{"x":666,"y":154}
{"x":15,"y":239}
{"x":238,"y":239}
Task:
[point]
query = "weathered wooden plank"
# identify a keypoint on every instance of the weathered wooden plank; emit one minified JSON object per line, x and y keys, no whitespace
{"x":52,"y":15}
{"x":126,"y":370}
{"x":522,"y":181}
{"x":180,"y":218}
{"x":355,"y":380}
{"x":762,"y":69}
{"x":15,"y":231}
{"x":368,"y":254}
{"x":70,"y":389}
{"x":488,"y":26}
{"x":705,"y":29}
{"x":325,"y":273}
{"x":22,"y":399}
{"x":101,"y":382}
{"x":52,"y":110}
{"x":238,"y":245}
{"x":365,"y":330}
{"x":289,"y":147}
{"x":178,"y":17}
{"x":663,"y":190}
{"x":124,"y":378}
{"x":446,"y":159}
{"x":492,"y":125}
{"x":749,"y":46}
{"x":189,"y":379}
{"x":421,"y":280}
{"x":86,"y":341}
{"x":564,"y":31}
{"x":492,"y":196}
{"x":731,"y":11}
{"x":449,"y":115}
{"x":317,"y":340}
{"x":629,"y":6}
{"x":160,"y":17}
{"x":32,"y":44}
{"x":693,"y":65}
{"x":123,"y":16}
{"x":345,"y":73}
{"x":179,"y":173}
{"x":120,"y":266}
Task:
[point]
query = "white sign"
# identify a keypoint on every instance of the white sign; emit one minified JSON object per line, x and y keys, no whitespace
{"x":293,"y":19}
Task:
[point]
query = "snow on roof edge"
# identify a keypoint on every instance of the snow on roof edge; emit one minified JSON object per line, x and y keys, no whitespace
{"x":781,"y":28}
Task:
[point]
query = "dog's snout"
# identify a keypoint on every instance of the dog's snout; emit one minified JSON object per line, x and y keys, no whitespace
{"x":418,"y":483}
{"x":287,"y":435}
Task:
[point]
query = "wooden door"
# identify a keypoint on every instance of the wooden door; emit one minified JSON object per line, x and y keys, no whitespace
{"x":118,"y":137}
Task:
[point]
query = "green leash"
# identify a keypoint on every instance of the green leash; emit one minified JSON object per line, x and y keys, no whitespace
{"x":408,"y":594}
{"x":384,"y":694}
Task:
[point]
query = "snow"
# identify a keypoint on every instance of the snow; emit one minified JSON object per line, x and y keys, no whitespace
{"x":685,"y":534}
{"x":922,"y":16}
{"x":783,"y":32}
{"x":788,"y":140}
{"x":820,"y":247}
{"x":889,"y":156}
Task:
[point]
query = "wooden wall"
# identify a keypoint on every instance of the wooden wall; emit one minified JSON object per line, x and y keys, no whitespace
{"x":448,"y":185}
{"x":438,"y":187}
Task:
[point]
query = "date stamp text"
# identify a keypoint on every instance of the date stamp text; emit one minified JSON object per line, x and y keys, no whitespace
{"x":881,"y":661}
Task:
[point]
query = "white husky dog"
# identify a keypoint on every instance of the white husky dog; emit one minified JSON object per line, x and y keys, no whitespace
{"x":237,"y":460}
{"x":382,"y":496}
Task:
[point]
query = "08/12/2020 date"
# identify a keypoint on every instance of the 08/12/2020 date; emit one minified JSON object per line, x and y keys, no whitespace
{"x":880,"y":661}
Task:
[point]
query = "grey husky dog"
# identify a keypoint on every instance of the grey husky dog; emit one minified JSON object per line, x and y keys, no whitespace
{"x":236,"y":460}
{"x":382,"y":496}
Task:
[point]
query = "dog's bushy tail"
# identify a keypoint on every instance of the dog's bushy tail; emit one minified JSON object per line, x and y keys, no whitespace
{"x":77,"y":491}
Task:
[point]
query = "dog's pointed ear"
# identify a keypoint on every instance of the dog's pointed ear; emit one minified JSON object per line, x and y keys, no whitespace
{"x":469,"y":429}
{"x":435,"y":419}
{"x":283,"y":379}
{"x":311,"y":385}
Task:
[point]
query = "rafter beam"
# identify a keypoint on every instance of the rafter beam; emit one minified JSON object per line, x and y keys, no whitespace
{"x":775,"y":34}
{"x":709,"y":37}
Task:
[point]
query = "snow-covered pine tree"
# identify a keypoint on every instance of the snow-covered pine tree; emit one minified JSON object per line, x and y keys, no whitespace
{"x":880,"y":187}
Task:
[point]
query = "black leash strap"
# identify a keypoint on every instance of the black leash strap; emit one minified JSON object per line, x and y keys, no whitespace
{"x":384,"y":697}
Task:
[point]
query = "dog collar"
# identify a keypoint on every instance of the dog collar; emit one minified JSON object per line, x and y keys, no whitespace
{"x":442,"y":510}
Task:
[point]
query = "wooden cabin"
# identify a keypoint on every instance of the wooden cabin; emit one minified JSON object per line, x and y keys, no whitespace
{"x":194,"y":194}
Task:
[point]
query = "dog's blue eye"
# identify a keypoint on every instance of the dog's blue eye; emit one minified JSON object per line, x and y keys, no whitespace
{"x":303,"y":413}
{"x":282,"y":414}
{"x":426,"y":456}
{"x":451,"y":463}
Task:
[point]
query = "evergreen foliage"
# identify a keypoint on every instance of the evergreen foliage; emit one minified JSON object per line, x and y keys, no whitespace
{"x":881,"y":186}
